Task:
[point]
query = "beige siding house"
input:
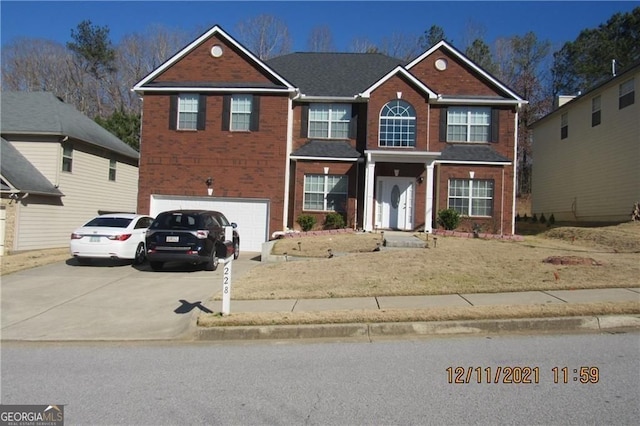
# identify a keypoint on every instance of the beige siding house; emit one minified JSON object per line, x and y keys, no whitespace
{"x":59,"y":168}
{"x":586,"y":154}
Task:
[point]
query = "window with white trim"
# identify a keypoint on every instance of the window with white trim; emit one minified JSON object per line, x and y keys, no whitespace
{"x":564,"y":125}
{"x":325,"y":193}
{"x":468,"y":124}
{"x":595,"y":111}
{"x":67,"y":157}
{"x":241,"y":112}
{"x":471,"y":197}
{"x":112,"y":170}
{"x":188,"y":111}
{"x":397,"y":124}
{"x":330,"y":121}
{"x":627,"y":94}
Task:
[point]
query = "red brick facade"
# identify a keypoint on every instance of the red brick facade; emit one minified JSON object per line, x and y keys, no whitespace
{"x":254,"y":164}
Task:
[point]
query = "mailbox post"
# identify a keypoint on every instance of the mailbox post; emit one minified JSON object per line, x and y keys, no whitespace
{"x":226,"y":275}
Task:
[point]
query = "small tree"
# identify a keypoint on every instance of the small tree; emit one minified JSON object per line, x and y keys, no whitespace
{"x":334,"y":221}
{"x":306,"y":222}
{"x":449,"y":218}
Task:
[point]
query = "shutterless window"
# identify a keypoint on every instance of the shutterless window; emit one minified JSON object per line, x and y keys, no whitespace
{"x":627,"y":94}
{"x":188,"y":111}
{"x":112,"y":170}
{"x":471,"y":197}
{"x":564,"y":126}
{"x":397,"y":124}
{"x":325,"y":193}
{"x":595,"y":111}
{"x":468,"y":124}
{"x":241,"y":112}
{"x":67,"y":158}
{"x":329,"y":121}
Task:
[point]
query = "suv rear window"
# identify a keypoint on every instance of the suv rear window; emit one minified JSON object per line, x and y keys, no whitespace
{"x":176,"y":221}
{"x":109,"y":222}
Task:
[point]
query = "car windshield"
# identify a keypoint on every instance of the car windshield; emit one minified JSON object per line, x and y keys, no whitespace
{"x":176,"y":221}
{"x":110,"y":222}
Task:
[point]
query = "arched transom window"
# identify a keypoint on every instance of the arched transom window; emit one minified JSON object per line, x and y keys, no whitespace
{"x":398,"y":124}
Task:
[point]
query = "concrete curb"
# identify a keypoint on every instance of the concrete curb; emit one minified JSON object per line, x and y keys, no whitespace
{"x":417,"y":329}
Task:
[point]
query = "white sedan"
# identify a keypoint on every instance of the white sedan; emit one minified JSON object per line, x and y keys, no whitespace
{"x":111,"y":236}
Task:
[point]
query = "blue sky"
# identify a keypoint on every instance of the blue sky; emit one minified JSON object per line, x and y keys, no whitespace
{"x":557,"y":21}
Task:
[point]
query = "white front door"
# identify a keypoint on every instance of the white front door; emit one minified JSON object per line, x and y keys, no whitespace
{"x":394,"y":203}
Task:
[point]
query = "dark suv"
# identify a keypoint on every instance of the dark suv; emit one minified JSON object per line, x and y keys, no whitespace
{"x":193,"y":236}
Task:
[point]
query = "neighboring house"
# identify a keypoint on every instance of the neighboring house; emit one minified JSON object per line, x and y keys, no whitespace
{"x":385,"y":143}
{"x":59,"y":168}
{"x":586,"y":154}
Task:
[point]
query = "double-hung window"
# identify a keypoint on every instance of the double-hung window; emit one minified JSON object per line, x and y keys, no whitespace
{"x":397,"y":124}
{"x":188,"y":111}
{"x":627,"y":94}
{"x":67,"y":157}
{"x":595,"y":111}
{"x":112,"y":170}
{"x":468,"y":124}
{"x":329,"y":121}
{"x":241,"y":112}
{"x":325,"y":193}
{"x":564,"y":126}
{"x":471,"y":197}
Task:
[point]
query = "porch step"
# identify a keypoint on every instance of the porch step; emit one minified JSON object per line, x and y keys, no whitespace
{"x":403,"y":241}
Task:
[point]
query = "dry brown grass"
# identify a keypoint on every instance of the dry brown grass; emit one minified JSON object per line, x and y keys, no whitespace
{"x":455,"y":265}
{"x":30,"y":259}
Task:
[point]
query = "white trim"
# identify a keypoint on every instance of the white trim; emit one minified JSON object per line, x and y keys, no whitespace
{"x":399,"y":70}
{"x":302,"y":157}
{"x":467,"y":61}
{"x":214,"y":30}
{"x":213,"y":90}
{"x":330,"y":99}
{"x":478,"y":101}
{"x":479,"y":163}
{"x":409,"y":157}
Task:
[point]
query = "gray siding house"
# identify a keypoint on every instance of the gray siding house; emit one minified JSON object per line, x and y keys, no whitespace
{"x":59,"y":168}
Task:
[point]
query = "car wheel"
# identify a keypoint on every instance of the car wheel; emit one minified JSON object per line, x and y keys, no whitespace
{"x":236,"y":249}
{"x":212,"y":263}
{"x":156,"y":266}
{"x":140,"y":255}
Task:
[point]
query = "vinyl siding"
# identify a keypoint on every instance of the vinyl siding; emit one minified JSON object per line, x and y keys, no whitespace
{"x":45,"y":156}
{"x":45,"y":222}
{"x":592,"y":174}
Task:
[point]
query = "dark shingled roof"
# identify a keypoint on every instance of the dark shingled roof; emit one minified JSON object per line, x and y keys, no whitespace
{"x":471,"y":152}
{"x":42,"y":113}
{"x":332,"y":149}
{"x":333,"y":74}
{"x":23,"y":175}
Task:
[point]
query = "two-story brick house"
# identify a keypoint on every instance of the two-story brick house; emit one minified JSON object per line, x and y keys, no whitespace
{"x":383,"y":142}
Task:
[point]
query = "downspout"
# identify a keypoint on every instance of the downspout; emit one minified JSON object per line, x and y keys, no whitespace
{"x":515,"y":173}
{"x":287,"y":166}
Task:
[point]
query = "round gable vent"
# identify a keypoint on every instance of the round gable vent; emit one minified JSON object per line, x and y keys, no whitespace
{"x":216,"y":51}
{"x":441,"y":64}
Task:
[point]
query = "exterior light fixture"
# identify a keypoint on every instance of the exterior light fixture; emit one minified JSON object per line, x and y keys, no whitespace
{"x":396,"y":172}
{"x":209,"y":183}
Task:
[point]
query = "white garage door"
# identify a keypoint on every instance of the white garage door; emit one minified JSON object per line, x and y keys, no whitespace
{"x":251,"y":215}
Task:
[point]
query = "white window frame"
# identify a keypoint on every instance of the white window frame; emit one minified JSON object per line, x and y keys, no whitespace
{"x":241,"y":109}
{"x":468,"y":123}
{"x":112,"y":170}
{"x":596,"y":111}
{"x":627,"y":94}
{"x":327,"y":187}
{"x":67,"y":158}
{"x":188,"y":111}
{"x":397,"y":125}
{"x":329,"y":119}
{"x":467,"y":191}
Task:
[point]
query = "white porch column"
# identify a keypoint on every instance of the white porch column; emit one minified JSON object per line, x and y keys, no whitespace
{"x":428,"y":213}
{"x":369,"y":180}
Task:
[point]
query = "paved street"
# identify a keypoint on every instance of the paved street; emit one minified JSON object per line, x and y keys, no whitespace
{"x":107,"y":301}
{"x":393,"y":382}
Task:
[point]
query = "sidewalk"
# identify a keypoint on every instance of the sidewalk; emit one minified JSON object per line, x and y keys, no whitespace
{"x":368,"y":331}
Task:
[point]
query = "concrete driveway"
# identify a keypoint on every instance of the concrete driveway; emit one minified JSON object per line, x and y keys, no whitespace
{"x":109,"y":300}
